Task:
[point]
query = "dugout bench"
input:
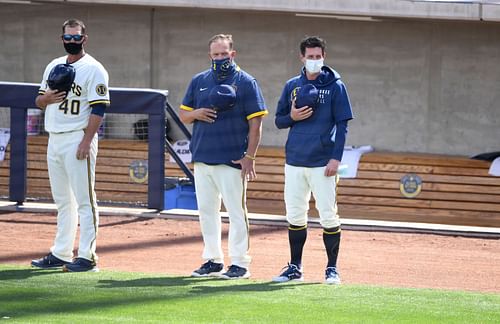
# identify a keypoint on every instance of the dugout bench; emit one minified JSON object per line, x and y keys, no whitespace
{"x":455,"y":190}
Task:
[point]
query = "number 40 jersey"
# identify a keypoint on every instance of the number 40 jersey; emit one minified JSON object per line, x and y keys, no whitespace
{"x":89,"y":88}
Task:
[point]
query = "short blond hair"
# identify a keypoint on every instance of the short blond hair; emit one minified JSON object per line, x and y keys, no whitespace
{"x":73,"y":23}
{"x":218,"y":37}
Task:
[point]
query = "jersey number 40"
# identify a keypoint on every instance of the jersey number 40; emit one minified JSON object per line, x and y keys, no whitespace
{"x":74,"y":107}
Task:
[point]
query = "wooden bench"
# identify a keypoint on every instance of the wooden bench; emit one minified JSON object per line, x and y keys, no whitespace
{"x":455,"y":190}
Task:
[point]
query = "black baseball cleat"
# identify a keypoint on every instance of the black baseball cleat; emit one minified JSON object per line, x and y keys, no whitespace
{"x":208,"y":269}
{"x":332,"y":276}
{"x":290,"y":273}
{"x":81,"y":265}
{"x":48,"y":262}
{"x":236,"y":272}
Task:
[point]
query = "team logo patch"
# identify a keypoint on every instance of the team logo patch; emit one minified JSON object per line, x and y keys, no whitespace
{"x":410,"y":185}
{"x":138,"y":171}
{"x":101,"y":90}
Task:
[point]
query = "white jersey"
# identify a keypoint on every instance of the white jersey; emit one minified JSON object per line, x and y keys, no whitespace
{"x":90,"y":87}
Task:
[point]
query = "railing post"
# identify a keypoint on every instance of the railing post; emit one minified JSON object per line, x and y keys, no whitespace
{"x":156,"y":161}
{"x":18,"y":155}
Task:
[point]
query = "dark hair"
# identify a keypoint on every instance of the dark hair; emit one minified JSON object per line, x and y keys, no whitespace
{"x":218,"y":37}
{"x":73,"y":23}
{"x":311,"y":42}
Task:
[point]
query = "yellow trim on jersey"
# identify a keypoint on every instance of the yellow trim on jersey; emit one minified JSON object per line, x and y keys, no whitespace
{"x":95,"y":102}
{"x":257,"y":114}
{"x":336,"y":232}
{"x":41,"y":92}
{"x":183,"y":107}
{"x":298,"y":228}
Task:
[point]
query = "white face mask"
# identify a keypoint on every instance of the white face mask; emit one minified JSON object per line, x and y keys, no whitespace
{"x":314,"y":66}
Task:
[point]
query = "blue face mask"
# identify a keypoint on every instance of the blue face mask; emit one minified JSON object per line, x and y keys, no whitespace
{"x":222,"y":68}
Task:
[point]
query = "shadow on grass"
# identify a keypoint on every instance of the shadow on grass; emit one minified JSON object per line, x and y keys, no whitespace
{"x":252,"y":287}
{"x":25,"y":300}
{"x":43,"y":306}
{"x":200,"y":285}
{"x":146,"y":282}
{"x":18,"y":274}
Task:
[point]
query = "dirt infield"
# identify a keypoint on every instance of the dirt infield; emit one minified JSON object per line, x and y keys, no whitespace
{"x":174,"y":247}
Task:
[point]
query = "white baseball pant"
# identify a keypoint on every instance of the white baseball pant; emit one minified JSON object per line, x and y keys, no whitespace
{"x":299,"y":183}
{"x":211,"y":183}
{"x":72,"y":184}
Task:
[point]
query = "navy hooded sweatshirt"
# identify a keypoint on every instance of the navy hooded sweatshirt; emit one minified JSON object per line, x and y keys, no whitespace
{"x":310,"y":142}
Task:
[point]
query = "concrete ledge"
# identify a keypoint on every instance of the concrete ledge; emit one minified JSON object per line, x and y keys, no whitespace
{"x":490,"y":12}
{"x":265,"y":219}
{"x":374,"y":8}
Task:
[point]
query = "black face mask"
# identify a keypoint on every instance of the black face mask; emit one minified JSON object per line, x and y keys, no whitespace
{"x":73,"y":48}
{"x":223,"y":68}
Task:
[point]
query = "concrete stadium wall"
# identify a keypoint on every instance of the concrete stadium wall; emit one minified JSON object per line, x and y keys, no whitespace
{"x":415,"y":85}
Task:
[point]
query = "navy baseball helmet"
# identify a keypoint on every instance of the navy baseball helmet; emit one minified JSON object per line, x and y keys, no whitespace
{"x":61,"y":77}
{"x":307,"y":95}
{"x":222,"y":97}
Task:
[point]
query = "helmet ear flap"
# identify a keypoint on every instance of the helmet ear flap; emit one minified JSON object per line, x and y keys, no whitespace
{"x":61,"y":77}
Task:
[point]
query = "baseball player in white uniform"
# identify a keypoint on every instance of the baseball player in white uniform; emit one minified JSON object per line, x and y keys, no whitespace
{"x":72,"y":120}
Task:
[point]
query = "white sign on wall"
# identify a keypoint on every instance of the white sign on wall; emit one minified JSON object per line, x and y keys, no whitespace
{"x":181,"y":147}
{"x":4,"y":140}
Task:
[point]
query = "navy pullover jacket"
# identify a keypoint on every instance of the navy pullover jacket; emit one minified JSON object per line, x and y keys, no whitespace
{"x":310,"y":142}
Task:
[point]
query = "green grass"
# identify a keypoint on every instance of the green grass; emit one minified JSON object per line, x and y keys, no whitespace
{"x":37,"y":296}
